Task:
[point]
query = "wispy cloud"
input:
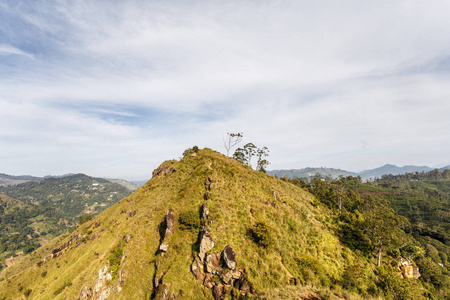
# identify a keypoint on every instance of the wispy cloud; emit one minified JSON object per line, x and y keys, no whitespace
{"x":115,"y":88}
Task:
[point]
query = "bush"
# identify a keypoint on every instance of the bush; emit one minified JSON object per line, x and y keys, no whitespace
{"x":114,"y":261}
{"x":189,"y":220}
{"x":189,"y":151}
{"x":261,"y":235}
{"x":27,"y":292}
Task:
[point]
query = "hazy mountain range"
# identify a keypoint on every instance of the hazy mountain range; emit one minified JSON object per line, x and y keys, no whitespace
{"x":366,"y":174}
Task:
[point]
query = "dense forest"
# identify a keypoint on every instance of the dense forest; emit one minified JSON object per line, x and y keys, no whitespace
{"x":34,"y":212}
{"x":392,"y":218}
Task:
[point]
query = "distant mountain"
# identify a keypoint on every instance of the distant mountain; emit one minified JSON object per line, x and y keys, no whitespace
{"x":308,"y":172}
{"x":444,"y":168}
{"x":6,"y":180}
{"x":392,"y":169}
{"x":132,"y":186}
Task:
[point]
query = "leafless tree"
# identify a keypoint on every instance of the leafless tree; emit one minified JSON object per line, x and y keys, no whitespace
{"x":231,"y":140}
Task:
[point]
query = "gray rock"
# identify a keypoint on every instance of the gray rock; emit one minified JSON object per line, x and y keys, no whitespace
{"x":163,"y":247}
{"x":128,"y":238}
{"x":206,"y":244}
{"x":218,"y":292}
{"x":170,"y":218}
{"x":205,"y":211}
{"x":212,"y":263}
{"x":229,"y":256}
{"x":197,"y":270}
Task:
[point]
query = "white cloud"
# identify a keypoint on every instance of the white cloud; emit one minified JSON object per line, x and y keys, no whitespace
{"x":320,"y":83}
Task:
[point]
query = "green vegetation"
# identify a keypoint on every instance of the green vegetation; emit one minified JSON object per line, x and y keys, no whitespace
{"x":189,"y":220}
{"x":401,"y":216}
{"x":35,"y":212}
{"x":262,"y":235}
{"x":295,"y":239}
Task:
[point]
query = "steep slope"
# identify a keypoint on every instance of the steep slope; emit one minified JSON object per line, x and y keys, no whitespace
{"x":202,"y":227}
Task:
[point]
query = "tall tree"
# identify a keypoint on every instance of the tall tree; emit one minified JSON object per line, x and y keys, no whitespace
{"x":231,"y":140}
{"x":262,"y":163}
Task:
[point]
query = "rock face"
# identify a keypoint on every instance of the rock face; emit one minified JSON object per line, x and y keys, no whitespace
{"x":170,"y":219}
{"x":408,"y":269}
{"x":229,"y":257}
{"x":163,"y":170}
{"x":206,"y":244}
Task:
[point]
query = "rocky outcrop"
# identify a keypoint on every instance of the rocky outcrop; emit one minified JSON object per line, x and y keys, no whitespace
{"x":229,"y":257}
{"x":170,"y":220}
{"x":76,"y":239}
{"x":162,"y":171}
{"x":408,"y":269}
{"x":131,"y":214}
{"x":206,"y":244}
{"x":221,"y":265}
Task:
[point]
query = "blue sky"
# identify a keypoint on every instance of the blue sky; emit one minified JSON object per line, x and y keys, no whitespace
{"x":113,"y":88}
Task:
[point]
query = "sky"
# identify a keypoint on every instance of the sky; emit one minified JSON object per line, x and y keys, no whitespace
{"x":113,"y":88}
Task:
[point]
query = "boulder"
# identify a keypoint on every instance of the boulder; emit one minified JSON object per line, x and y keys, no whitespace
{"x":205,"y":211}
{"x":170,"y":218}
{"x":197,"y":269}
{"x":162,"y":170}
{"x":229,"y":256}
{"x":219,"y":292}
{"x":164,"y":247}
{"x":86,"y":293}
{"x":206,"y":244}
{"x":127,"y":239}
{"x":212,"y":263}
{"x":208,"y":282}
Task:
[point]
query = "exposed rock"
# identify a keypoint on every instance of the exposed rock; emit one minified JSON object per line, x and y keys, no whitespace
{"x":163,"y":170}
{"x":164,"y":247}
{"x":243,"y":284}
{"x":128,"y":238}
{"x":236,"y":274}
{"x":229,"y":256}
{"x":293,"y":281}
{"x":206,"y":244}
{"x":212,"y":263}
{"x":163,"y":292}
{"x":218,"y":292}
{"x":131,"y":214}
{"x":86,"y":293}
{"x":206,"y":196}
{"x":208,"y":282}
{"x":208,"y":183}
{"x":274,"y":205}
{"x":170,"y":218}
{"x":197,"y":269}
{"x":100,"y":289}
{"x":227,"y":277}
{"x":205,"y":211}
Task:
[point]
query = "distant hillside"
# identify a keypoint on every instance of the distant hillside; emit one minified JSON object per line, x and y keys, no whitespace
{"x":392,"y":169}
{"x":308,"y":172}
{"x":127,"y":184}
{"x":71,"y":195}
{"x":6,"y":180}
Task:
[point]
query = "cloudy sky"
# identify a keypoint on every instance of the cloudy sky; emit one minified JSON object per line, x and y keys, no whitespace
{"x":113,"y":88}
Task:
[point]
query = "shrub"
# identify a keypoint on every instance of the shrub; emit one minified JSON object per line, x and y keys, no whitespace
{"x":114,"y":261}
{"x":43,"y":274}
{"x":262,"y":235}
{"x":189,"y":220}
{"x":189,"y":151}
{"x":27,"y":292}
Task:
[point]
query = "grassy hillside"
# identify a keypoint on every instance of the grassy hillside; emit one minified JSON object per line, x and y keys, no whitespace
{"x":295,"y":248}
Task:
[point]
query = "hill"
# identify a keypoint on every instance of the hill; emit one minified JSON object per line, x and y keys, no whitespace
{"x":208,"y":227}
{"x":35,"y":212}
{"x":308,"y":172}
{"x":392,"y":169}
{"x":6,"y":180}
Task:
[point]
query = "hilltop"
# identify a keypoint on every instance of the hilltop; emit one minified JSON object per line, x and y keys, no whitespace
{"x":209,"y":227}
{"x":191,"y":210}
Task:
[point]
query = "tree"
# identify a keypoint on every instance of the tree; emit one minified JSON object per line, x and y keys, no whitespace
{"x":240,"y":155}
{"x":382,"y":226}
{"x":250,"y":150}
{"x":231,"y":140}
{"x":262,"y":162}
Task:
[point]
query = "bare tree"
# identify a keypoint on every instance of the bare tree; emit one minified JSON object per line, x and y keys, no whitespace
{"x":231,"y":140}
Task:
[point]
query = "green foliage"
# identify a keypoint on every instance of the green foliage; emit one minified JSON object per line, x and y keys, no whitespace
{"x":61,"y":288}
{"x":27,"y":292}
{"x":394,"y":285}
{"x":43,"y":274}
{"x":84,"y":218}
{"x":262,"y":235}
{"x":190,"y":151}
{"x":189,"y":220}
{"x":114,"y":261}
